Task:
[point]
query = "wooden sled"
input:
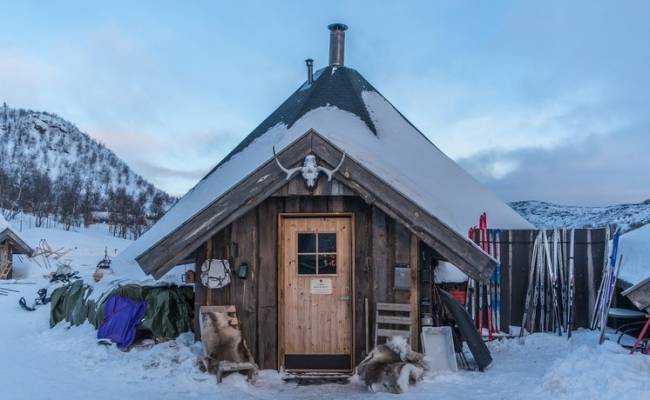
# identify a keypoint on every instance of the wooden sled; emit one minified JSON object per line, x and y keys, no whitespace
{"x":222,"y":367}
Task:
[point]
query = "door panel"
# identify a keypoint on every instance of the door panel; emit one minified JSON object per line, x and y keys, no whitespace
{"x":317,"y":261}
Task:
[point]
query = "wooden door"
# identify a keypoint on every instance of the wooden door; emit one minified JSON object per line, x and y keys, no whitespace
{"x":316,"y":293}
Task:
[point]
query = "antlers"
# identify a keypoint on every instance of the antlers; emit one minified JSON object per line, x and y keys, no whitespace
{"x":330,"y":173}
{"x":292,"y":171}
{"x":289,"y":172}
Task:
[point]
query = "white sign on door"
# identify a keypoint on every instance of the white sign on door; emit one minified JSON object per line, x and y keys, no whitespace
{"x":320,"y":286}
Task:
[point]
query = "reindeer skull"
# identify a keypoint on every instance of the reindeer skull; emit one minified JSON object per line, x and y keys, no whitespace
{"x":309,"y":170}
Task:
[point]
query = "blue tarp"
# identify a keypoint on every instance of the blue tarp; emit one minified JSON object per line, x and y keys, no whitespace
{"x":121,"y":316}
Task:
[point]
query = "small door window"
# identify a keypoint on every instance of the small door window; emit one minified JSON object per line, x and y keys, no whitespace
{"x":306,"y":243}
{"x":317,"y":253}
{"x":327,"y":242}
{"x":307,"y":264}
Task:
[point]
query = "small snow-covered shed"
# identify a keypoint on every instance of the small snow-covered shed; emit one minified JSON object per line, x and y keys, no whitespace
{"x":10,"y":243}
{"x":354,"y":206}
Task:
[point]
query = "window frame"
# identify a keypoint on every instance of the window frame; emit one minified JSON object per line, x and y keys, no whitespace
{"x":317,"y":253}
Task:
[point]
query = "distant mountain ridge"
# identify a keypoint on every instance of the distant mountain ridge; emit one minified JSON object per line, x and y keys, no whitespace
{"x":549,"y":215}
{"x":49,"y":167}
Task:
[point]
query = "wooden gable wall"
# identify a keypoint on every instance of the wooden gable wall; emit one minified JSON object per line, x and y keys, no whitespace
{"x":380,"y":243}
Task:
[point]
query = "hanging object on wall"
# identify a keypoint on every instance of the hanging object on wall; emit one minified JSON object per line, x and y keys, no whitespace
{"x":309,"y":170}
{"x":402,"y":277}
{"x":188,"y":277}
{"x":215,"y":274}
{"x":242,"y":271}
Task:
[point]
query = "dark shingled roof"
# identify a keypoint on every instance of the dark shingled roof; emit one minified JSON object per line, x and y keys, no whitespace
{"x":336,"y":86}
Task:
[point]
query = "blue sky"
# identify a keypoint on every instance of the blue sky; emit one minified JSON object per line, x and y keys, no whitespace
{"x":539,"y":100}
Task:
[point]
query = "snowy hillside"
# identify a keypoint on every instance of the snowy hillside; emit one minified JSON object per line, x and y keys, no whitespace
{"x":548,"y":215}
{"x":49,"y":167}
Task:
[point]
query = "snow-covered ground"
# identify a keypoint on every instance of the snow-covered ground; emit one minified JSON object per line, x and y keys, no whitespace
{"x":37,"y":362}
{"x":60,"y":363}
{"x":84,"y":248}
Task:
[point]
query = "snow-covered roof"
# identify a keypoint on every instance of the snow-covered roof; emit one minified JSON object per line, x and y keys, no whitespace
{"x":634,"y":246}
{"x":3,"y":223}
{"x":6,"y":231}
{"x":346,"y":110}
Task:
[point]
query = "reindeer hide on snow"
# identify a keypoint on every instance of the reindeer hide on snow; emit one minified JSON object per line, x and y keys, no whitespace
{"x":391,"y":367}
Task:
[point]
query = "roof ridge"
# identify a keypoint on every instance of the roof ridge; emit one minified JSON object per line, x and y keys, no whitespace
{"x":359,"y":98}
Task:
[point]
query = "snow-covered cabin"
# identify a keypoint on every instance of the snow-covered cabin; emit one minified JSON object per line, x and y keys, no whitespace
{"x":10,"y":243}
{"x":311,"y":257}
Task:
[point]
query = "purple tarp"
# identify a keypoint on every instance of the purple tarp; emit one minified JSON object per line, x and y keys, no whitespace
{"x":121,"y":316}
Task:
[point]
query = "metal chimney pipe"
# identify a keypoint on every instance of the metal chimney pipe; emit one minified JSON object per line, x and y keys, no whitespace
{"x":337,"y":43}
{"x":310,"y":70}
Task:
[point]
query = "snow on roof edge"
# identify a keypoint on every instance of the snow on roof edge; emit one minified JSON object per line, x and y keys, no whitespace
{"x":343,"y":131}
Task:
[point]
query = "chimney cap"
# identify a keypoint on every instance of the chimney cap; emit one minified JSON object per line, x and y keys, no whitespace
{"x":337,"y":27}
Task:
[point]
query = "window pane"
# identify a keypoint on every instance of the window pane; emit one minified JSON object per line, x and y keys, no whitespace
{"x":327,"y":264}
{"x":327,"y":242}
{"x":306,"y":243}
{"x":307,"y":264}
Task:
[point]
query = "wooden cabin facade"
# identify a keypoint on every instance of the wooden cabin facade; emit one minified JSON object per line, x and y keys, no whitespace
{"x":319,"y":261}
{"x":346,"y":218}
{"x":287,"y":310}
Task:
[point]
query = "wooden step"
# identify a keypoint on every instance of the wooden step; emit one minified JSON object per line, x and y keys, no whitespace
{"x":316,"y":378}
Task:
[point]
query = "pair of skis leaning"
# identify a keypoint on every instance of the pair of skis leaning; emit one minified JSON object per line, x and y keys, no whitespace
{"x":483,"y":300}
{"x":549,"y":304}
{"x":611,"y":268}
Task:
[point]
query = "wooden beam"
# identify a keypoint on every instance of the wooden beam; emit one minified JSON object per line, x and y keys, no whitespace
{"x":208,"y":255}
{"x":296,"y":187}
{"x":415,"y":292}
{"x":199,"y":291}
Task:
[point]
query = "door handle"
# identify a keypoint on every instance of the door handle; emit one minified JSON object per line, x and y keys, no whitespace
{"x":345,"y":298}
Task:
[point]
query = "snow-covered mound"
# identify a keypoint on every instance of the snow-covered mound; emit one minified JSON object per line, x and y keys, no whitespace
{"x":549,"y":215}
{"x":635,"y":248}
{"x":42,"y":155}
{"x":589,"y":371}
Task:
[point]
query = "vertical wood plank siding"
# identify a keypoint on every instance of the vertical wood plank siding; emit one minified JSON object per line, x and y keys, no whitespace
{"x":380,"y":242}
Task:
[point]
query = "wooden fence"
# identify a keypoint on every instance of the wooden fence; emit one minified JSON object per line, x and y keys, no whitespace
{"x":516,"y":251}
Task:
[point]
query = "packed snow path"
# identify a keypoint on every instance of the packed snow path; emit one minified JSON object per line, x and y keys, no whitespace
{"x":60,"y":363}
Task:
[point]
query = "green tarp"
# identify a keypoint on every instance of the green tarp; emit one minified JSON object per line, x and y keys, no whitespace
{"x":168,"y":311}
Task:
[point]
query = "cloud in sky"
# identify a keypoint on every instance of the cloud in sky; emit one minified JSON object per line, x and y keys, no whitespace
{"x":597,"y":170}
{"x":510,"y":89}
